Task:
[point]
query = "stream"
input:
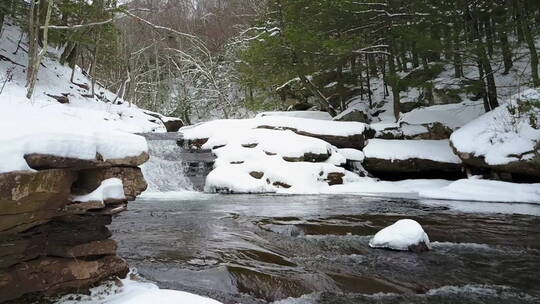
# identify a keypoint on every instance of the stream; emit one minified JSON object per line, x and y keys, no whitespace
{"x":314,"y":249}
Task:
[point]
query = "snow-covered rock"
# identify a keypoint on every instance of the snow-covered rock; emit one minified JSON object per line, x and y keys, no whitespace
{"x":506,"y":139}
{"x":410,"y":156}
{"x":339,"y":134}
{"x":257,"y":160}
{"x":405,"y":235}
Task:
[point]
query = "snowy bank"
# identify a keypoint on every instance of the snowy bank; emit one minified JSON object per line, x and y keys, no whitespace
{"x":506,"y":139}
{"x":471,"y":189}
{"x":88,"y":128}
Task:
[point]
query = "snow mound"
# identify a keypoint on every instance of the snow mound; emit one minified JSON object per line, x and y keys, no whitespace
{"x":300,"y":114}
{"x":135,"y":292}
{"x":402,"y":235}
{"x":111,"y":188}
{"x":502,"y":135}
{"x":435,"y":150}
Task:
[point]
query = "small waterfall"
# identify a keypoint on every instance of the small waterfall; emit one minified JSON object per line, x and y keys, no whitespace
{"x":172,"y":168}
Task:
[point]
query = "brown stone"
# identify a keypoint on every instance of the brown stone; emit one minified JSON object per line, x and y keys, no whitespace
{"x":82,"y":208}
{"x":335,"y":178}
{"x":308,"y":157}
{"x":102,"y":247}
{"x":256,"y":174}
{"x":173,"y":125}
{"x":281,"y":185}
{"x":410,"y":165}
{"x":44,"y":161}
{"x":50,"y":276}
{"x":28,"y":199}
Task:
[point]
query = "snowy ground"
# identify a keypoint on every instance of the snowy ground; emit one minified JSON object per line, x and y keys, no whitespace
{"x":80,"y":129}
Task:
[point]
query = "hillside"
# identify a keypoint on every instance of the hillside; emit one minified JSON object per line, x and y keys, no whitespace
{"x":78,"y":125}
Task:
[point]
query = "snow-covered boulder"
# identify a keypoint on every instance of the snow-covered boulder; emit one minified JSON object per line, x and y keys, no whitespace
{"x":339,"y":134}
{"x":506,"y":140}
{"x":250,"y":159}
{"x":410,"y":156}
{"x":439,"y":121}
{"x":403,"y":235}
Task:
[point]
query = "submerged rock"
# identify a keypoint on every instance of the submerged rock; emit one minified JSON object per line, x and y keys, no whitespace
{"x":403,"y":235}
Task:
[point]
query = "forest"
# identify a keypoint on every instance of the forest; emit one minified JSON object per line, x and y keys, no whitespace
{"x":225,"y":58}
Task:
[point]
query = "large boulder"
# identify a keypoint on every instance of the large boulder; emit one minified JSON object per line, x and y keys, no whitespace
{"x":132,"y":180}
{"x":395,"y":157}
{"x":29,"y":199}
{"x":52,"y":275}
{"x":45,"y":161}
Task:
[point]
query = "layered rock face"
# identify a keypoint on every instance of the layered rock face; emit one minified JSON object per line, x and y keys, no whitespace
{"x":50,"y":243}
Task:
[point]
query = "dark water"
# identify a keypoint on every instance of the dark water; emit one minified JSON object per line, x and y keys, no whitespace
{"x":314,"y":249}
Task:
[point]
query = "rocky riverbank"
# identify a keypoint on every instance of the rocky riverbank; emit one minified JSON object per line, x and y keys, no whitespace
{"x":52,"y":240}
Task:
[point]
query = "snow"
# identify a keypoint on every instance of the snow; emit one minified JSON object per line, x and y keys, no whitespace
{"x":400,"y":236}
{"x":223,"y":127}
{"x":499,"y":136}
{"x":352,"y":154}
{"x":81,"y":129}
{"x":135,"y":292}
{"x":301,"y":114}
{"x":486,"y":190}
{"x":111,"y":188}
{"x":472,"y":189}
{"x":435,"y":150}
{"x":450,"y":115}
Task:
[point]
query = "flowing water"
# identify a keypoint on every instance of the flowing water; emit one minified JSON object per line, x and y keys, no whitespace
{"x":173,"y":168}
{"x":314,"y":249}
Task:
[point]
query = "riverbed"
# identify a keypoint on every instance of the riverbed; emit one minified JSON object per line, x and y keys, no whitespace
{"x":314,"y":249}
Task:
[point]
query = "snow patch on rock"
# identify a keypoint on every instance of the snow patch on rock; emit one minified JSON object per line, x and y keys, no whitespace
{"x":111,"y":188}
{"x":403,"y":235}
{"x":435,"y":150}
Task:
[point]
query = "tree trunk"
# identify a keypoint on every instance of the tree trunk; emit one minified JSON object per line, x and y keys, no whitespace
{"x":368,"y":81}
{"x":532,"y":48}
{"x":395,"y":86}
{"x":1,"y":22}
{"x":36,"y":60}
{"x":507,"y":53}
{"x":315,"y":91}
